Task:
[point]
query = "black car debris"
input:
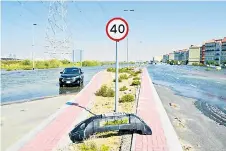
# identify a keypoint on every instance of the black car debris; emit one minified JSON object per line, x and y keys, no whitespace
{"x":109,"y":122}
{"x":71,"y":76}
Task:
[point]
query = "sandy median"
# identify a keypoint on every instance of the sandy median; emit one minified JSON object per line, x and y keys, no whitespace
{"x":19,"y":119}
{"x":102,"y":105}
{"x":196,"y":131}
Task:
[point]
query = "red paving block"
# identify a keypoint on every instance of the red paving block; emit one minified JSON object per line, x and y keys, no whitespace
{"x":148,"y":112}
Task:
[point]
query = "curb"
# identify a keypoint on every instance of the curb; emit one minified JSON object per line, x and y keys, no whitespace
{"x":132,"y":148}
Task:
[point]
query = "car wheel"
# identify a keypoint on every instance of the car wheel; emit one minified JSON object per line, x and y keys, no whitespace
{"x":61,"y":85}
{"x":80,"y":82}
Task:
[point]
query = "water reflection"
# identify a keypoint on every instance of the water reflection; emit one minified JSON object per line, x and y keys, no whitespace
{"x":70,"y":89}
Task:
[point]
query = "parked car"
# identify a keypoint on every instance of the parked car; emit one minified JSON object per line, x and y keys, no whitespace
{"x":71,"y":76}
{"x":109,"y":122}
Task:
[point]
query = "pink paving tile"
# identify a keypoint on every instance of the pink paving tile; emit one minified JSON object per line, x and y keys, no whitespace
{"x":148,"y":112}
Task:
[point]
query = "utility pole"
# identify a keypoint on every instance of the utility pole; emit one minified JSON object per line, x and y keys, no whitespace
{"x":33,"y":44}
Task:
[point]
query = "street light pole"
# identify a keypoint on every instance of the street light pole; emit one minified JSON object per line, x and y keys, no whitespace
{"x":127,"y":45}
{"x":33,"y":44}
{"x":127,"y":40}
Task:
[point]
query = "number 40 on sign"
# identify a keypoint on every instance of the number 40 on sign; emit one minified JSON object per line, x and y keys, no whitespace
{"x":117,"y":29}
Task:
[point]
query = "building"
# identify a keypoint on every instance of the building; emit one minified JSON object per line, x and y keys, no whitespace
{"x":213,"y":51}
{"x":194,"y":54}
{"x":181,"y":55}
{"x":158,"y":58}
{"x":202,"y":54}
{"x":165,"y":58}
{"x":184,"y":56}
{"x":223,"y":51}
{"x":171,"y":56}
{"x":178,"y":55}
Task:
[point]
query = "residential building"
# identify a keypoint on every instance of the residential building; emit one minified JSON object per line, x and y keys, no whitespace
{"x":171,"y":56}
{"x":165,"y":58}
{"x":194,"y":54}
{"x":177,"y":55}
{"x":158,"y":58}
{"x":184,"y":55}
{"x":223,"y":51}
{"x":202,"y":54}
{"x":181,"y":55}
{"x":213,"y":51}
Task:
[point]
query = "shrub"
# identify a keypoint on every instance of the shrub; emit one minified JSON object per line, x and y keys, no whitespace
{"x":127,"y":98}
{"x":90,"y":63}
{"x":133,"y":74}
{"x":123,"y":76}
{"x":195,"y":64}
{"x":121,"y":70}
{"x":26,"y":62}
{"x":91,"y":146}
{"x":119,"y":80}
{"x":138,"y":72}
{"x":65,"y":61}
{"x":124,"y":88}
{"x":136,"y":78}
{"x":104,"y":91}
{"x":27,"y":68}
{"x":54,"y":63}
{"x":104,"y":148}
{"x":40,"y":64}
{"x":135,"y":82}
{"x":110,"y":69}
{"x":110,"y":92}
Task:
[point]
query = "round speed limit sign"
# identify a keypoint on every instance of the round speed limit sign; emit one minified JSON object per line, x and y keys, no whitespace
{"x":117,"y":29}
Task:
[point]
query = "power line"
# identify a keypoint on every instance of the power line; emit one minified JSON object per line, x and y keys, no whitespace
{"x":84,"y":16}
{"x":28,"y":9}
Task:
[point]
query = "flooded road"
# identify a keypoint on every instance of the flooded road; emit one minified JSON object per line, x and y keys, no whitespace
{"x":207,"y":87}
{"x":32,"y":84}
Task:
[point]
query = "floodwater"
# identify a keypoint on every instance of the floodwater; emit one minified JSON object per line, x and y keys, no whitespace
{"x":207,"y":87}
{"x":33,"y":84}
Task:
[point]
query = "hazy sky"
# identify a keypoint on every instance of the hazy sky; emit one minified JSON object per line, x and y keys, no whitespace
{"x":156,"y":28}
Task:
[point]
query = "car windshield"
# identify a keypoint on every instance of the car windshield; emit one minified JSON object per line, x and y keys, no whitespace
{"x":71,"y":71}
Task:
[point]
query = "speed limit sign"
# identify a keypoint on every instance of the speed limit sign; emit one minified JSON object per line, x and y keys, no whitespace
{"x":117,"y":29}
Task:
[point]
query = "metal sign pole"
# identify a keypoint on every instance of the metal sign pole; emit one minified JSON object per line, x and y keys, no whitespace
{"x":127,"y":52}
{"x":116,"y":79}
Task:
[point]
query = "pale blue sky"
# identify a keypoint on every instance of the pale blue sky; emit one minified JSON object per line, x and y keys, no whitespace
{"x":161,"y":26}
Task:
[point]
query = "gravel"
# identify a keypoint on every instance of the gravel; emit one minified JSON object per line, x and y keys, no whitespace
{"x":126,"y":142}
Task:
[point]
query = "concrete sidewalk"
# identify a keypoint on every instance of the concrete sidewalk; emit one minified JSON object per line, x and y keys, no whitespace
{"x":47,"y":135}
{"x":151,"y":110}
